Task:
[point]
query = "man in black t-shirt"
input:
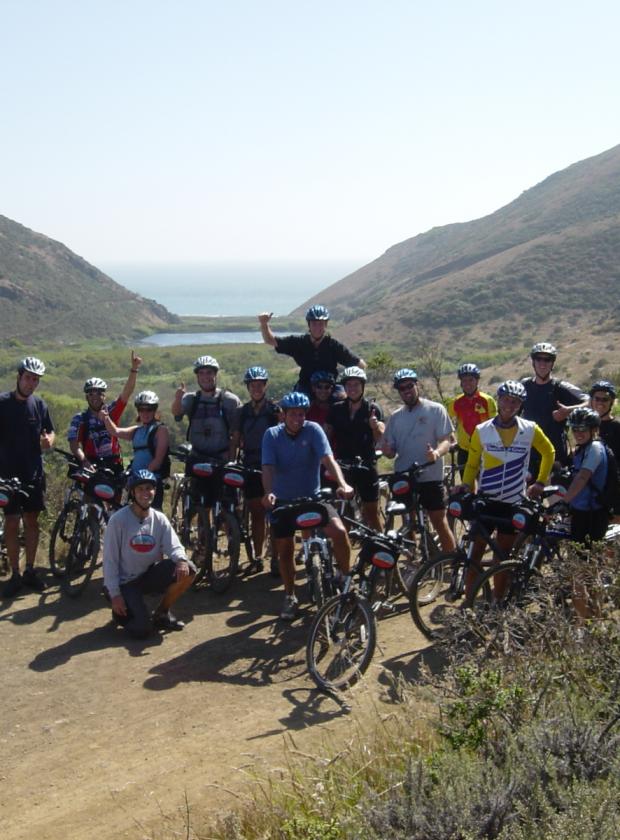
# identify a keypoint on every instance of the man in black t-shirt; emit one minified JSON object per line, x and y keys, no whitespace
{"x":316,"y":350}
{"x":550,"y":401}
{"x":25,"y":429}
{"x":353,"y":427}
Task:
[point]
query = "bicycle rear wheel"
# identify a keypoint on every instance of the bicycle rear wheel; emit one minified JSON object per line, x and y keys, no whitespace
{"x":60,"y":538}
{"x":194,"y":535}
{"x":501,"y":604}
{"x":223,"y":547}
{"x":341,"y":642}
{"x":82,"y":556}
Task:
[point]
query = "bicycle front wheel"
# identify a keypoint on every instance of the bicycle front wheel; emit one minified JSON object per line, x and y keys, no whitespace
{"x":223,"y":547}
{"x":341,"y":642}
{"x":82,"y":556}
{"x":60,"y":539}
{"x":194,"y":536}
{"x":436,"y":595}
{"x":501,"y":603}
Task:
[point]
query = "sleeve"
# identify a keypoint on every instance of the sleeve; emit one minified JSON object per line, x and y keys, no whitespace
{"x":186,"y":406}
{"x":474,"y":459}
{"x":343,"y":355}
{"x":112,"y":558}
{"x":286,"y":344}
{"x":320,"y":442}
{"x":545,"y":449}
{"x":46,"y":420}
{"x":388,"y":434}
{"x":450,"y":408}
{"x":74,"y":432}
{"x":170,"y":542}
{"x":492,"y":407}
{"x":116,"y":409}
{"x":443,"y":425}
{"x":268,"y":449}
{"x":569,"y":394}
{"x":235,"y":425}
{"x":593,"y":457}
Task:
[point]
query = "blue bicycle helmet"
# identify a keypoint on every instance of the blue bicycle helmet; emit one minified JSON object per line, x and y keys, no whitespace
{"x":141,"y":477}
{"x":294,"y":400}
{"x":468,"y":369}
{"x":317,"y":313}
{"x":255,"y":374}
{"x":403,"y":374}
{"x":322,"y":376}
{"x":512,"y":388}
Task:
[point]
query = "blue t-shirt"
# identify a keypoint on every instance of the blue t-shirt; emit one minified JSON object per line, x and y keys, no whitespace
{"x":594,"y":458}
{"x":296,"y":461}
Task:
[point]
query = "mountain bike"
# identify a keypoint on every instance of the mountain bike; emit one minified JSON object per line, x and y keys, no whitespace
{"x":76,"y":536}
{"x":343,"y":634}
{"x":9,"y":487}
{"x":404,"y":509}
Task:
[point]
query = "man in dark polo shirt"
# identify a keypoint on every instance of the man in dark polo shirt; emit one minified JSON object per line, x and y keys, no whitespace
{"x":25,"y":429}
{"x":316,"y":350}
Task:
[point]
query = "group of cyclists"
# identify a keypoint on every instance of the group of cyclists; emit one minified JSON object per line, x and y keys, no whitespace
{"x":508,"y":446}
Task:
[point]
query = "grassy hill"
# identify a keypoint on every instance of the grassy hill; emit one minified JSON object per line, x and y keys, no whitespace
{"x":544,"y":266}
{"x":48,"y":292}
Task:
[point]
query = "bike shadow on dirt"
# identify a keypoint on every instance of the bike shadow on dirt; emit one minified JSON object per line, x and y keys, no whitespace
{"x":412,"y":666}
{"x":29,"y":607}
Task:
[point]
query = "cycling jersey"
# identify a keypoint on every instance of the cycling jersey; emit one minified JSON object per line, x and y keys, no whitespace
{"x":502,"y":455}
{"x":591,"y":457}
{"x":352,"y":436}
{"x":468,"y":412}
{"x":91,"y":433}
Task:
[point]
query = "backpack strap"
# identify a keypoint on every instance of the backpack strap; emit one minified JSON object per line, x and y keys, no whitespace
{"x":192,"y":411}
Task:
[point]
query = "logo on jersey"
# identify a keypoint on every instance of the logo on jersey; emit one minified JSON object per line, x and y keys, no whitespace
{"x":142,"y":543}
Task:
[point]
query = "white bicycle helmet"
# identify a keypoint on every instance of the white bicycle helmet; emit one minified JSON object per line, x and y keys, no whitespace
{"x":32,"y":365}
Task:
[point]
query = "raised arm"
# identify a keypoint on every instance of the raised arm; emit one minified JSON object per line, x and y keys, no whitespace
{"x":111,"y":427}
{"x":268,"y":336}
{"x":129,"y":386}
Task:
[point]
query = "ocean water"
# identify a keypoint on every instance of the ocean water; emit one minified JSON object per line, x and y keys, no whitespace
{"x":230,"y":288}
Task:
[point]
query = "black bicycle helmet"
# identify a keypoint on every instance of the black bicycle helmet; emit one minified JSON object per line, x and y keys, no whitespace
{"x":317,"y":312}
{"x":583,"y":418}
{"x":141,"y":477}
{"x":603,"y":385}
{"x":322,"y":376}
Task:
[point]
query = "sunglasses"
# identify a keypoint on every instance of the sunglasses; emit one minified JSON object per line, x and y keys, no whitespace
{"x":601,"y":399}
{"x":147,"y":408}
{"x":547,"y":359}
{"x":324,"y":386}
{"x":409,"y":386}
{"x":580,"y":428}
{"x":95,"y":393}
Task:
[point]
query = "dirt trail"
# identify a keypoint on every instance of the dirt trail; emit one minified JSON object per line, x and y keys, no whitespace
{"x":101,"y":735}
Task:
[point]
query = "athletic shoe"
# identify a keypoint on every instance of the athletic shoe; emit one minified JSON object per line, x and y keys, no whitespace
{"x":258,"y":564}
{"x":167,"y":621}
{"x":289,"y":610}
{"x":32,"y":580}
{"x":275,"y":568}
{"x":13,"y":586}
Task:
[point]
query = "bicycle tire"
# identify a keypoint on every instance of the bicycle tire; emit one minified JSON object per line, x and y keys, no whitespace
{"x":60,"y":538}
{"x":177,"y":504}
{"x":194,"y":536}
{"x":315,"y":582}
{"x":498,"y":620}
{"x":82,"y":557}
{"x":433,"y":599}
{"x":222,"y":549}
{"x":341,"y":642}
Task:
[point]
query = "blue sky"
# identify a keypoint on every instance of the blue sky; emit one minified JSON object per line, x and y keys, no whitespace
{"x":196,"y":131}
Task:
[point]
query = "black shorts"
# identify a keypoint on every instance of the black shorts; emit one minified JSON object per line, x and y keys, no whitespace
{"x":588,"y":525}
{"x":253,"y":488}
{"x":35,"y":502}
{"x":433,"y":495}
{"x":284,"y":523}
{"x":366,"y":482}
{"x":156,"y":579}
{"x":503,"y":510}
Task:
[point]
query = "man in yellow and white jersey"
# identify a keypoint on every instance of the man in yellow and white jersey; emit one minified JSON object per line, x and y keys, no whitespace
{"x":498,"y":458}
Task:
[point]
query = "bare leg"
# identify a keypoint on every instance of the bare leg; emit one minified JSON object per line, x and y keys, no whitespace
{"x":370,"y":514}
{"x":31,"y":534}
{"x":11,"y":538}
{"x":174,"y":592}
{"x":285,"y":548}
{"x":439,"y":521}
{"x":336,"y":531}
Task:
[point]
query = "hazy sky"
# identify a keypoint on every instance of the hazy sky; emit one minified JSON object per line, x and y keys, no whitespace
{"x":280,"y":129}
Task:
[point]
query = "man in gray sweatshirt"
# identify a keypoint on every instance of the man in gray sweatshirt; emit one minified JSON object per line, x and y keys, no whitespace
{"x":142,"y":554}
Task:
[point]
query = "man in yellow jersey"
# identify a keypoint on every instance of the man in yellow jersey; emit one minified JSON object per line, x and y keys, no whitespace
{"x":498,"y":457}
{"x":469,"y":409}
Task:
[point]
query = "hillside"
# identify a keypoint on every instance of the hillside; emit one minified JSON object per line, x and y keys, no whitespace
{"x":48,"y":292}
{"x":545,"y":265}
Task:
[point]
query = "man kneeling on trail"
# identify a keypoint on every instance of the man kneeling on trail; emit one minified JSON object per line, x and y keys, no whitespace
{"x":136,"y":540}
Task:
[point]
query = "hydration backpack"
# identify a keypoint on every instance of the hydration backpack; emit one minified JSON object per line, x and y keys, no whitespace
{"x":166,"y":464}
{"x":609,"y":495}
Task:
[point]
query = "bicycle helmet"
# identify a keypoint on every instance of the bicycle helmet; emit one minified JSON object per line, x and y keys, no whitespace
{"x":353,"y":373}
{"x":583,"y":418}
{"x":141,"y":477}
{"x":322,"y":376}
{"x":294,"y":400}
{"x":95,"y":384}
{"x":205,"y":362}
{"x":146,"y":398}
{"x":317,"y":313}
{"x":468,"y":369}
{"x":32,"y":365}
{"x":255,"y":374}
{"x":543,"y":347}
{"x":512,"y":388}
{"x":603,"y":385}
{"x":403,"y":374}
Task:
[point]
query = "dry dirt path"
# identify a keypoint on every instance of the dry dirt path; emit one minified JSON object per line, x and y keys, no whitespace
{"x":101,"y":735}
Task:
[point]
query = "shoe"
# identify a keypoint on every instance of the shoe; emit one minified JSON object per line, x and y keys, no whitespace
{"x":258,"y":564}
{"x":167,"y":621}
{"x":289,"y":610}
{"x":275,"y":568}
{"x":32,"y":580}
{"x":13,"y":586}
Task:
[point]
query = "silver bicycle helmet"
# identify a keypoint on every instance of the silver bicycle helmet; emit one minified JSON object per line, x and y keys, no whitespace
{"x":403,"y":374}
{"x":353,"y":372}
{"x":545,"y":348}
{"x":32,"y":365}
{"x":95,"y":384}
{"x":146,"y":398}
{"x":468,"y":369}
{"x":512,"y":388}
{"x":205,"y":362}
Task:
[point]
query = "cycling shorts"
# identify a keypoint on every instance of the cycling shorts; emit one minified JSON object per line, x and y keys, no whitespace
{"x":283,"y":523}
{"x":35,"y":502}
{"x":432,"y":495}
{"x":253,"y":488}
